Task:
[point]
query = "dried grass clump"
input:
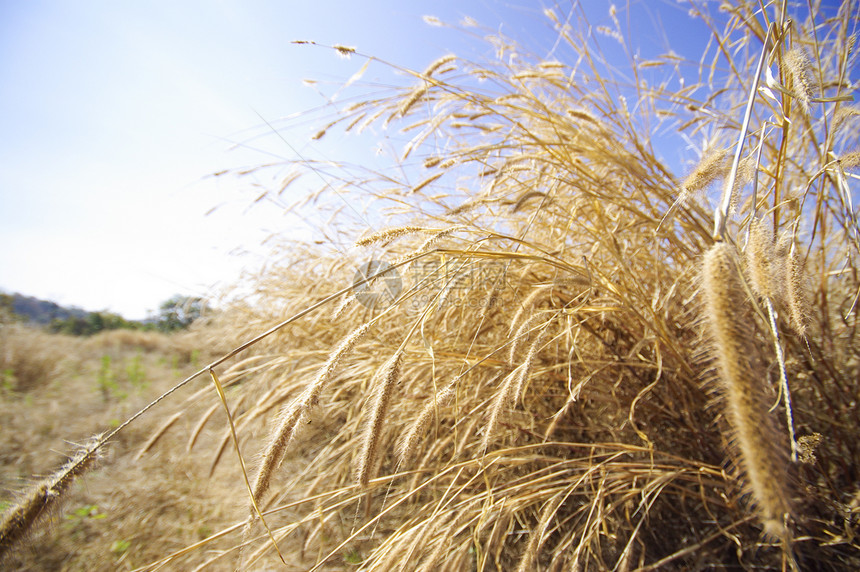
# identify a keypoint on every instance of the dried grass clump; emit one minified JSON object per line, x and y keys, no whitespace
{"x":537,"y":395}
{"x":27,"y":357}
{"x":133,"y":340}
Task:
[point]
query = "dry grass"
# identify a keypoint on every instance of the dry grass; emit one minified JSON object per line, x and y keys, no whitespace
{"x":26,"y":359}
{"x":151,"y":504}
{"x":540,"y":393}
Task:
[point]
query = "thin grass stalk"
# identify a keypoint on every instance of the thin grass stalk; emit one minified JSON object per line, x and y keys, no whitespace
{"x":257,"y":511}
{"x":721,"y":214}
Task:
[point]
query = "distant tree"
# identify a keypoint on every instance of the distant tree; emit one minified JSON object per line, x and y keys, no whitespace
{"x":92,"y":323}
{"x":72,"y":326}
{"x":111,"y":321}
{"x":179,"y":311}
{"x":95,"y":323}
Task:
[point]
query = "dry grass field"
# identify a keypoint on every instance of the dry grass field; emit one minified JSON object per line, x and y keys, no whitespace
{"x":576,"y":358}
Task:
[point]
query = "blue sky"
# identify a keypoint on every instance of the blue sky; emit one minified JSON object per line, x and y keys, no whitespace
{"x":113,"y":113}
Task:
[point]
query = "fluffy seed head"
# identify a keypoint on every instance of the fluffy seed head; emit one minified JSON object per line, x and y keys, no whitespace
{"x":417,"y":94}
{"x":447,"y":59}
{"x":426,"y":182}
{"x":383,"y":381}
{"x":387,"y":234}
{"x":844,"y":115}
{"x":759,"y":447}
{"x":328,"y":370}
{"x":289,"y":417}
{"x":431,"y":162}
{"x":797,"y":293}
{"x":850,"y":160}
{"x":510,"y":391}
{"x":280,"y":438}
{"x":344,"y":51}
{"x":20,"y":519}
{"x":762,"y":261}
{"x":409,"y":443}
{"x":709,"y":169}
{"x":798,"y":68}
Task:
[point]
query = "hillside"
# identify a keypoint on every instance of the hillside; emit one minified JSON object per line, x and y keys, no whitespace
{"x":39,"y":311}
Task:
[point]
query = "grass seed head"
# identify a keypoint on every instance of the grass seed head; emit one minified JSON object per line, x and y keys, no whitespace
{"x":433,"y":67}
{"x":329,"y":369}
{"x":798,"y":68}
{"x":759,"y":444}
{"x":408,"y":444}
{"x":764,"y":267}
{"x":710,"y":168}
{"x":388,"y":234}
{"x":22,"y":518}
{"x":850,"y":160}
{"x":383,"y":383}
{"x":280,"y":437}
{"x":797,"y":292}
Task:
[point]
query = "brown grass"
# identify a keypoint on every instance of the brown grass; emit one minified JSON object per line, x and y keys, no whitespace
{"x":26,"y":359}
{"x":53,"y":522}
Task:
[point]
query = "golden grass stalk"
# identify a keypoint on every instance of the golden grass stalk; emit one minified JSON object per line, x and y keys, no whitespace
{"x":383,"y":383}
{"x":721,"y":213}
{"x":388,"y":234}
{"x":21,"y":519}
{"x":289,"y":417}
{"x":728,"y":323}
{"x":509,"y":392}
{"x":235,"y":439}
{"x":408,"y":444}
